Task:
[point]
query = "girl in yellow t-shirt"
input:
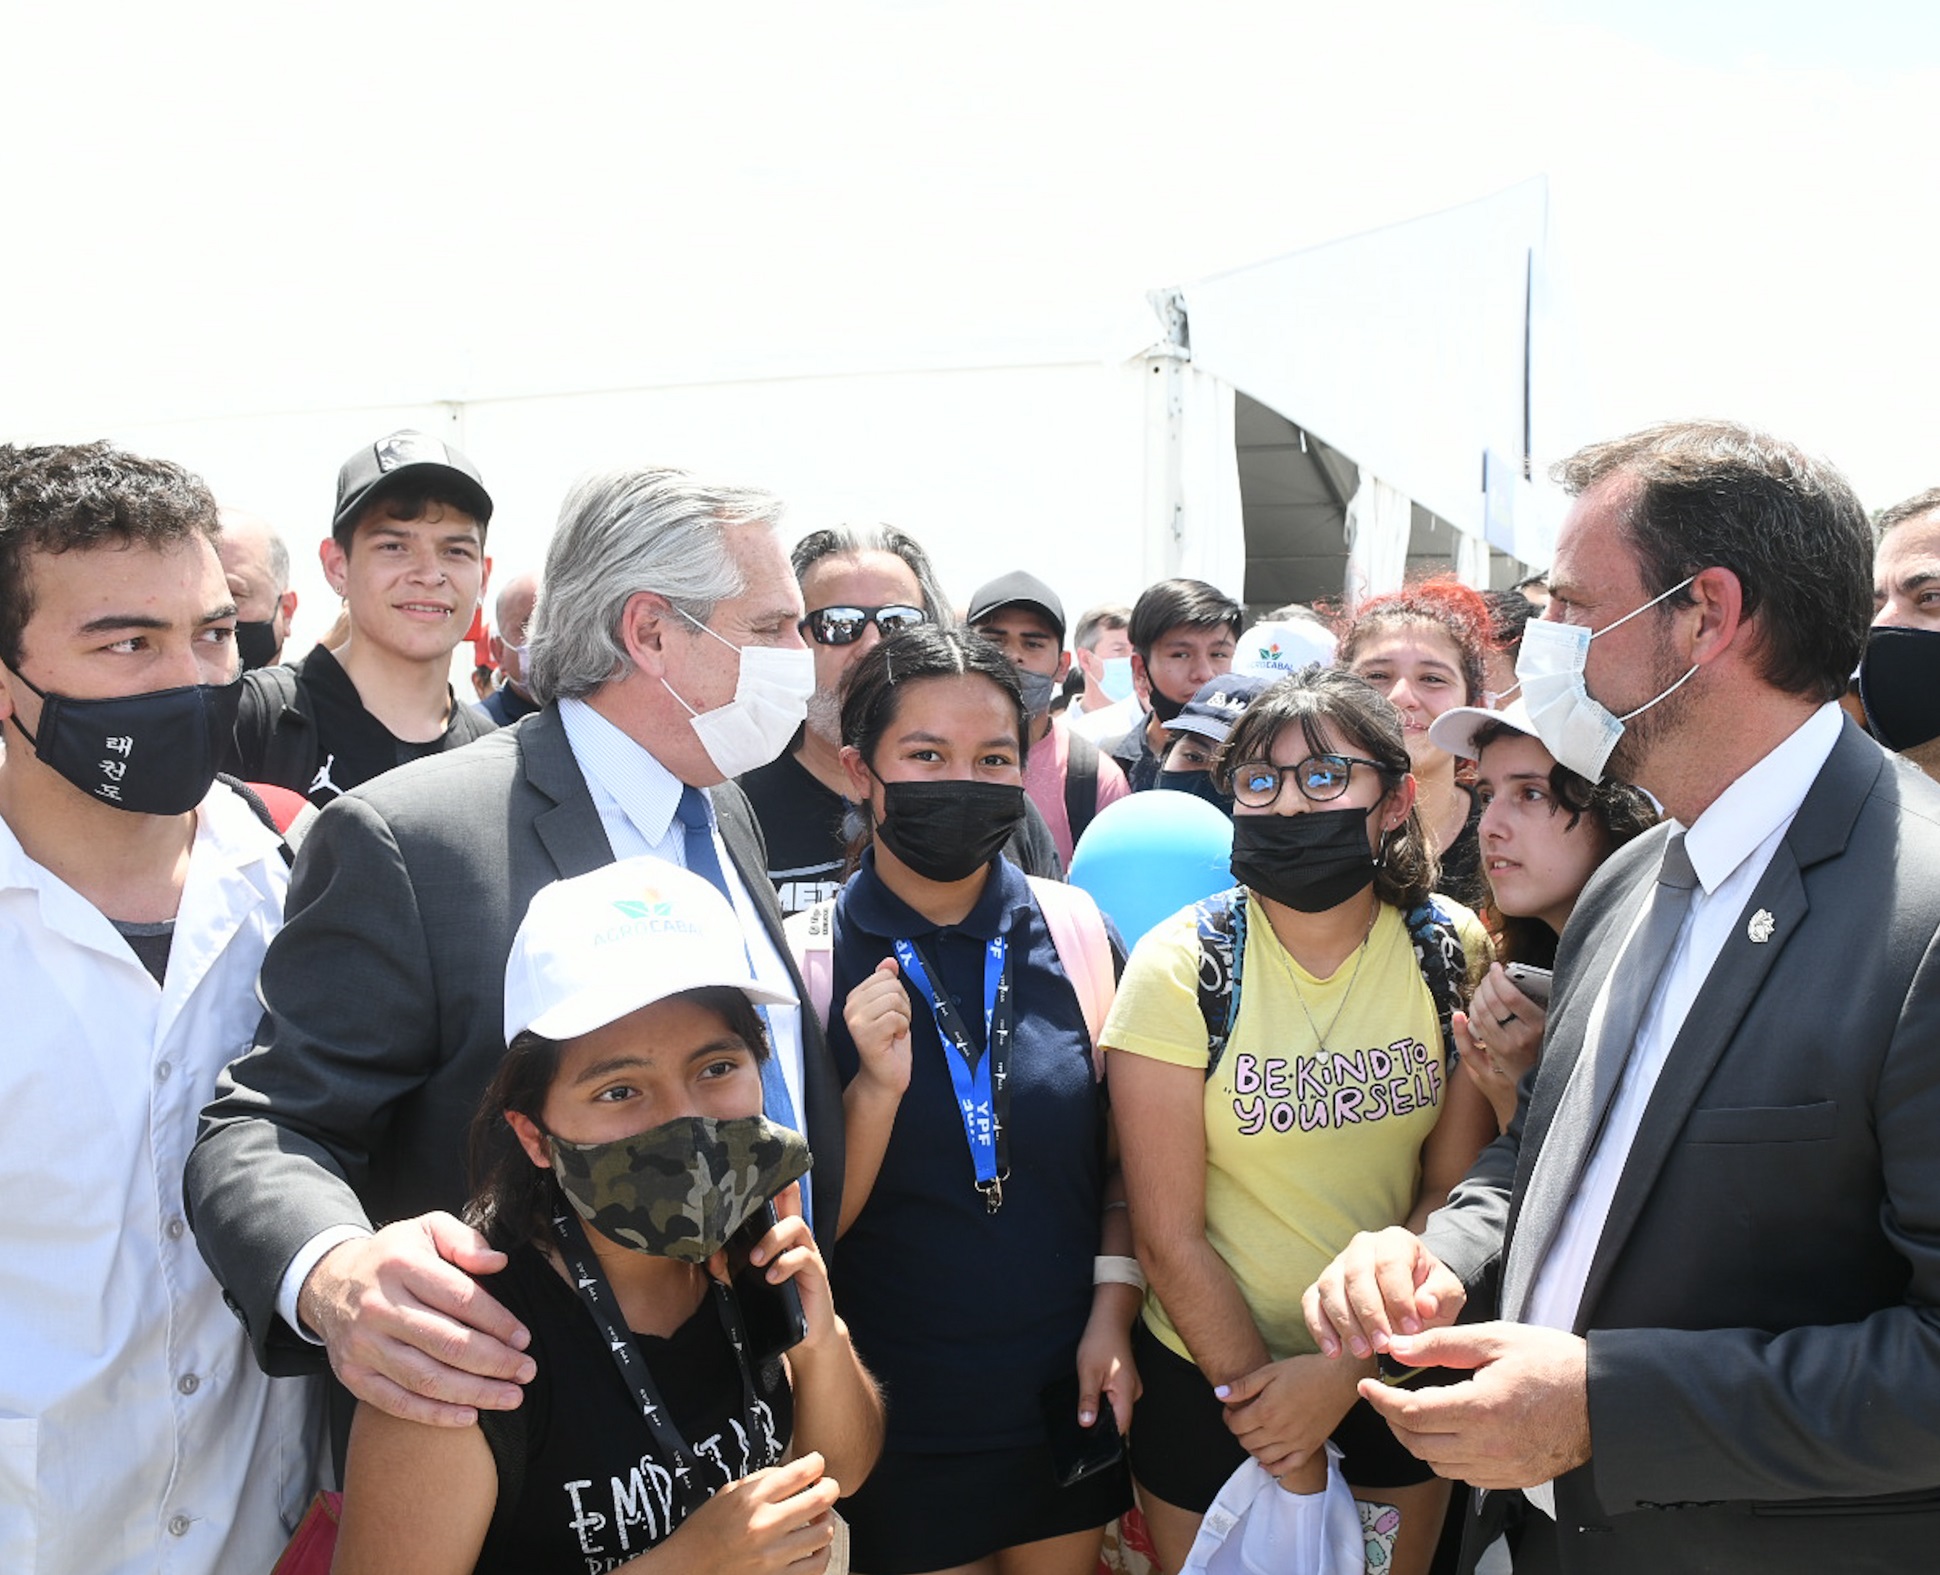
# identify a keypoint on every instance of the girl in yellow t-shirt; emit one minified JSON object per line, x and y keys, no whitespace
{"x":1330,"y":1111}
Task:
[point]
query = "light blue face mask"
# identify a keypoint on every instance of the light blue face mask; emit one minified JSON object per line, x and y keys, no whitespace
{"x":1573,"y":726}
{"x":1117,"y":679}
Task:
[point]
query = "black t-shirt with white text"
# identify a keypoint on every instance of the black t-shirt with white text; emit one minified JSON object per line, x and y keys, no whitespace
{"x":596,"y":1492}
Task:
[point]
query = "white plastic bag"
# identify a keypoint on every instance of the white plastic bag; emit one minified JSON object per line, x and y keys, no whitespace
{"x":1256,"y":1527}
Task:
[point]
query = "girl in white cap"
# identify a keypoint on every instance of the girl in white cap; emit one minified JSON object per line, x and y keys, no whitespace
{"x":1544,"y":832}
{"x":624,"y":1165}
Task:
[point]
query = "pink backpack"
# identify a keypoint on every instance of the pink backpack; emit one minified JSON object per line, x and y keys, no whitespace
{"x":1077,"y":933}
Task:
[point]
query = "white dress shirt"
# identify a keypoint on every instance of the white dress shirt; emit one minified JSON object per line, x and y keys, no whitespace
{"x":636,"y":797}
{"x":136,"y":1432}
{"x":1110,"y":721}
{"x":1730,"y":846}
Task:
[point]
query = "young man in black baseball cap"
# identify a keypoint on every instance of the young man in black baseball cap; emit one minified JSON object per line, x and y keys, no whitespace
{"x":406,"y":551}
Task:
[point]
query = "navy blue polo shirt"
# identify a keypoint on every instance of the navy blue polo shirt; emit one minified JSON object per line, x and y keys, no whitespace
{"x":963,"y":1315}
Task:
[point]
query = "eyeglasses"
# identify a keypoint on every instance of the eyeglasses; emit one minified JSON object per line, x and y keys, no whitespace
{"x":1320,"y":778}
{"x":844,"y":625}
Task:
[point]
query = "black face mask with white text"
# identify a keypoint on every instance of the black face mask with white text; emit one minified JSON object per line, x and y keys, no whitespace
{"x":151,"y":754}
{"x":1311,"y":862}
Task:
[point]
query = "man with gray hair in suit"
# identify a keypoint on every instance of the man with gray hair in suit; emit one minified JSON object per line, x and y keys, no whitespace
{"x":325,"y":1184}
{"x":1710,"y":1239}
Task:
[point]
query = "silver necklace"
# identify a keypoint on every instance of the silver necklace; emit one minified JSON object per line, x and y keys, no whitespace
{"x":1293,"y":975}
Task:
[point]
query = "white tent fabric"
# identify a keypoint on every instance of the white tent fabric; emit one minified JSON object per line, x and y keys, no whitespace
{"x":1472,"y":561}
{"x":1409,"y":349}
{"x":1379,"y":518}
{"x":1213,"y":548}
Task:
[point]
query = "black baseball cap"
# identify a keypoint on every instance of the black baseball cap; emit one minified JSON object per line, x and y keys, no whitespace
{"x":1017,"y":589}
{"x":377,"y":467}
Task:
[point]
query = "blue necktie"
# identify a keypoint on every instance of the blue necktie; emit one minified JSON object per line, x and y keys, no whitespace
{"x":705,"y":862}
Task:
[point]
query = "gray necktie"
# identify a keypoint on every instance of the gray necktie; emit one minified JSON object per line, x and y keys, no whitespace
{"x":1573,"y":1133}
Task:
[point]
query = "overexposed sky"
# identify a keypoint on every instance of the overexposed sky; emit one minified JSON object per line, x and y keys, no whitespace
{"x":217,"y":209}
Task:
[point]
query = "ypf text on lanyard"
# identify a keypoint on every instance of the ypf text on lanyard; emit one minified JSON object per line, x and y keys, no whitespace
{"x":981,"y":1082}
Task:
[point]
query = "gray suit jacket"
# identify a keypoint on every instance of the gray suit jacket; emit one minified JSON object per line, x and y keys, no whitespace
{"x":385,"y":1009}
{"x":1763,"y":1309}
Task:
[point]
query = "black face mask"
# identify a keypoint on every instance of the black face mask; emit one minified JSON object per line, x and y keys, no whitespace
{"x":1164,"y":707}
{"x":1310,"y":862}
{"x":256,"y":643}
{"x":947,"y":831}
{"x":1899,"y":684}
{"x":1200,"y":785}
{"x":152,"y":754}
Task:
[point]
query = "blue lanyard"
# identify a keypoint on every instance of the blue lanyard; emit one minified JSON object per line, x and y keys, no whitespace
{"x":980,"y":1082}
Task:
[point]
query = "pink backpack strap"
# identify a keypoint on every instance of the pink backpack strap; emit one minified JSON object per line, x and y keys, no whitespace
{"x":1078,"y":934}
{"x":811,"y":937}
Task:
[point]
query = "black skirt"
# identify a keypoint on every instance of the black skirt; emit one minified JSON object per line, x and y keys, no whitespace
{"x":922,"y":1512}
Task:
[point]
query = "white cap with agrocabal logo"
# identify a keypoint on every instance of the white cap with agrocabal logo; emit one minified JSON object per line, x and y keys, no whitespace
{"x":598,"y":946}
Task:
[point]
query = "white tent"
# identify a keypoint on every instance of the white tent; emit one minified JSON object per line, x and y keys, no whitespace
{"x":1395,"y":394}
{"x":1230,"y":429}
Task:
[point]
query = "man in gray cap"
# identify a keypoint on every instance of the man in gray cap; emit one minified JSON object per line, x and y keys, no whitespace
{"x":1065,"y":775}
{"x":406,"y":552}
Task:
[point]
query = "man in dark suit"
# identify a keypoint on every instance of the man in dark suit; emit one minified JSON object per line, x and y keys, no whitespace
{"x":1718,"y":1230}
{"x":666,"y":650}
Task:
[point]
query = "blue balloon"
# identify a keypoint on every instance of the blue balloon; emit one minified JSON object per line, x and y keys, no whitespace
{"x":1151,"y":854}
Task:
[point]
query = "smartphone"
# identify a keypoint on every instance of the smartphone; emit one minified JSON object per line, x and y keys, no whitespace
{"x":1533,"y":982}
{"x":1078,"y":1452}
{"x":1396,"y":1374}
{"x":773,"y":1313}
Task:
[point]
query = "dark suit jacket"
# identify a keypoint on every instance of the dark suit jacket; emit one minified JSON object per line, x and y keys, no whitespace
{"x":385,"y":1009}
{"x":1763,"y":1308}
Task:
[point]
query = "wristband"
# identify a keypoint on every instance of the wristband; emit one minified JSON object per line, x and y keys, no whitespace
{"x":1117,"y":1271}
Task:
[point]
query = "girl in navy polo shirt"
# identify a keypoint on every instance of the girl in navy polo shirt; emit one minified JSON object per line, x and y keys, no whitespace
{"x":975,"y":1198}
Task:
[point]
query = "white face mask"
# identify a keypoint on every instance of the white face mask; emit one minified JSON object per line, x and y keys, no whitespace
{"x":770,"y":700}
{"x":1578,"y":730}
{"x":1117,"y":678}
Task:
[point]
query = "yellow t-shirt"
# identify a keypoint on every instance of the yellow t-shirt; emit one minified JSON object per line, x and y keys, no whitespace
{"x":1302,"y":1149}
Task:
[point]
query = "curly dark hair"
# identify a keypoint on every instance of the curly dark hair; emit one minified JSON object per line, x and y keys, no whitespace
{"x":1617,"y":811}
{"x":1366,"y":723}
{"x":1443,"y":601}
{"x":75,"y":497}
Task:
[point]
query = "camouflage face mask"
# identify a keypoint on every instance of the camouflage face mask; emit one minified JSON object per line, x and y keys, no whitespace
{"x":681,"y":1189}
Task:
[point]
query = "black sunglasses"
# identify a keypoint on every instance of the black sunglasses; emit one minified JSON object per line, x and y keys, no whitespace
{"x":844,"y":625}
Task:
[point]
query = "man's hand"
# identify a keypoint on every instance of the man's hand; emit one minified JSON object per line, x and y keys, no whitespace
{"x":1524,"y":1417}
{"x":1384,"y":1283}
{"x":407,"y":1328}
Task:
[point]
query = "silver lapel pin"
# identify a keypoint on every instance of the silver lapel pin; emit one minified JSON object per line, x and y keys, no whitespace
{"x":1761,"y":926}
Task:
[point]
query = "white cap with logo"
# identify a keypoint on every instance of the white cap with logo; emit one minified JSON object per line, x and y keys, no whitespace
{"x":1455,"y":729}
{"x":598,"y":946}
{"x":1275,"y":649}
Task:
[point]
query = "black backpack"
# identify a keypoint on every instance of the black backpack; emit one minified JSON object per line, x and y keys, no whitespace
{"x":1222,"y":955}
{"x":1080,"y":783}
{"x":276,"y":734}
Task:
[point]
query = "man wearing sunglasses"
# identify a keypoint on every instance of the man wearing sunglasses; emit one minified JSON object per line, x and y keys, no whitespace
{"x":860,"y":584}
